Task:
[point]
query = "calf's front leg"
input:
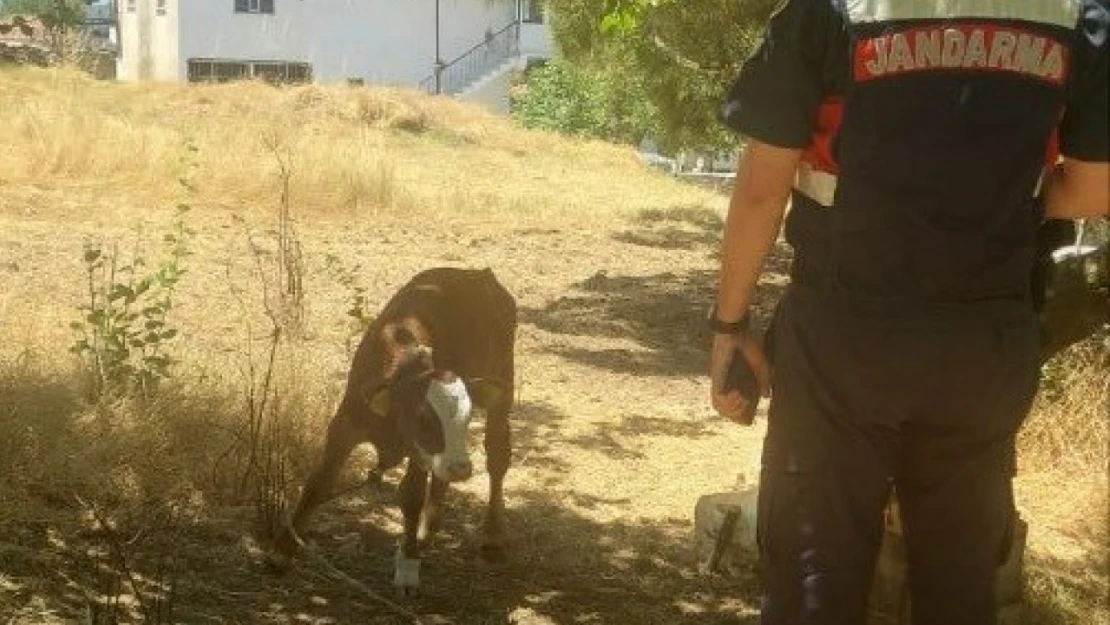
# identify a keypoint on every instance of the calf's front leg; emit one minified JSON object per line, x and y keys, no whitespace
{"x":344,"y":434}
{"x":406,"y":575}
{"x":498,"y":445}
{"x":432,"y":518}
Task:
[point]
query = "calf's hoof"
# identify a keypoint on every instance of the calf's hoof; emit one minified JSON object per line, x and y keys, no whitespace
{"x":406,"y":575}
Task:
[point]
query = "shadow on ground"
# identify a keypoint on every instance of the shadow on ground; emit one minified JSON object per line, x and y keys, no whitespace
{"x":563,"y":568}
{"x":563,"y":565}
{"x":568,"y":562}
{"x":681,"y":228}
{"x":663,"y":313}
{"x":540,"y":442}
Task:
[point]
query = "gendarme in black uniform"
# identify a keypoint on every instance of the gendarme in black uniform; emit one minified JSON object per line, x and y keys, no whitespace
{"x":906,"y":347}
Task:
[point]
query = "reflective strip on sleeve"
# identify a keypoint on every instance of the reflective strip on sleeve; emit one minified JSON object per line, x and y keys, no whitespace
{"x":1063,"y":13}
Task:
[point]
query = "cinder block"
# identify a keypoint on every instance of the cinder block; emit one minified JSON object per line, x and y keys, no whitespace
{"x":724,"y":530}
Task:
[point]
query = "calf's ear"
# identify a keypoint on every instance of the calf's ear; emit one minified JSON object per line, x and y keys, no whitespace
{"x":486,"y":392}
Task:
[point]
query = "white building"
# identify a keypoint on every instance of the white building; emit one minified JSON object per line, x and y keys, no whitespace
{"x":387,"y":42}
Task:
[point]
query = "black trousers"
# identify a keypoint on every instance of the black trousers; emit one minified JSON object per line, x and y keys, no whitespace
{"x":865,"y":396}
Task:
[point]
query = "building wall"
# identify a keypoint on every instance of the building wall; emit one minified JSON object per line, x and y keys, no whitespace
{"x":536,"y":39}
{"x":130,"y":23}
{"x":148,"y":40}
{"x":379,"y":41}
{"x":164,"y":37}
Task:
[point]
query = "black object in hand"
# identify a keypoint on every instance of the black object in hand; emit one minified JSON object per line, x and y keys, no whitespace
{"x":741,"y":378}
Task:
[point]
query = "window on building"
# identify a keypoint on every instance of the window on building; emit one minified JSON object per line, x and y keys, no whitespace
{"x":160,"y":7}
{"x":299,"y":73}
{"x":530,"y":11}
{"x":132,"y":6}
{"x":204,"y":70}
{"x":281,"y":73}
{"x":255,"y":6}
{"x":274,"y":72}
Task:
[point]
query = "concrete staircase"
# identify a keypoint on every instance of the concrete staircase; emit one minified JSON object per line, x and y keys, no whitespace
{"x":483,"y":73}
{"x":491,"y":89}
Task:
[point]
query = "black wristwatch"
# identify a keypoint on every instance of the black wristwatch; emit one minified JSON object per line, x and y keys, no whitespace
{"x":726,"y":327}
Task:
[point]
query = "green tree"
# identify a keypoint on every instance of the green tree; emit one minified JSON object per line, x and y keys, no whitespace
{"x":57,"y":15}
{"x":685,"y":53}
{"x":587,"y":99}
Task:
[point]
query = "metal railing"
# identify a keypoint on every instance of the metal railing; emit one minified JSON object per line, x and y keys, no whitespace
{"x":456,"y":75}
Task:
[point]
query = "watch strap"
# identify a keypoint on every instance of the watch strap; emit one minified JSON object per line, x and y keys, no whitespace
{"x":727,"y":327}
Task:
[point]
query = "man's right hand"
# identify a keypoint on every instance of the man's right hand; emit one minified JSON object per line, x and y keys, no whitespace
{"x":730,"y":403}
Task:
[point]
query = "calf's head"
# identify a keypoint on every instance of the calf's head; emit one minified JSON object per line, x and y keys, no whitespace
{"x":432,"y":409}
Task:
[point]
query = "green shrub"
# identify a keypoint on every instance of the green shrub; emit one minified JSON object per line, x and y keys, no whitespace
{"x":581,"y":99}
{"x":124,"y":331}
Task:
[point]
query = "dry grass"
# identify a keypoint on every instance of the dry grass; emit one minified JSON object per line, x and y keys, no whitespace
{"x":1068,"y":431}
{"x":611,"y":264}
{"x":1065,"y":456}
{"x":355,"y":150}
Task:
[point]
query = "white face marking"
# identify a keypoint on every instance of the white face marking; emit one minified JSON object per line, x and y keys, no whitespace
{"x":453,"y":406}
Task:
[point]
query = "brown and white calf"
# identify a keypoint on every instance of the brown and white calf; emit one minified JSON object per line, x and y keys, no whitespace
{"x":440,"y":351}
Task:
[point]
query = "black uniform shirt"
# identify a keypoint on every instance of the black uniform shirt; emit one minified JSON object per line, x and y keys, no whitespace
{"x":925,"y":135}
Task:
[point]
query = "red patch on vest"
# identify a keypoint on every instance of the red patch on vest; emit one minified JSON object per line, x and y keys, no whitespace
{"x":819,"y":154}
{"x":962,"y":47}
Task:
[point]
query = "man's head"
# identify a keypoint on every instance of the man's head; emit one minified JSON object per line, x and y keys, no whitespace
{"x":432,"y":409}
